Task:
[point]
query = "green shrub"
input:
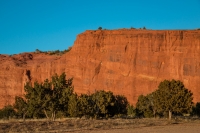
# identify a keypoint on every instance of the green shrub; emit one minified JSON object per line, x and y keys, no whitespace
{"x":131,"y":111}
{"x":196,"y":110}
{"x":100,"y":28}
{"x":7,"y":112}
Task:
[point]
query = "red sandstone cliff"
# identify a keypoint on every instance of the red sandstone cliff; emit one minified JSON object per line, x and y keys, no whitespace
{"x":128,"y":62}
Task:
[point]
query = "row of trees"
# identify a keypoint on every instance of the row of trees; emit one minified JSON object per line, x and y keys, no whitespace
{"x":56,"y":98}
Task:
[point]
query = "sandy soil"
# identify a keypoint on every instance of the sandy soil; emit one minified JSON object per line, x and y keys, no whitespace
{"x":102,"y":126}
{"x":180,"y":128}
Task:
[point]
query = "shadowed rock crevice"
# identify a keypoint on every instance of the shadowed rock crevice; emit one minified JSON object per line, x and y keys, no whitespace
{"x":97,"y":69}
{"x":28,"y":74}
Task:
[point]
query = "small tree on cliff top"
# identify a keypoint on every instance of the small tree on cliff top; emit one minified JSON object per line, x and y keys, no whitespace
{"x":172,"y":96}
{"x":100,"y":28}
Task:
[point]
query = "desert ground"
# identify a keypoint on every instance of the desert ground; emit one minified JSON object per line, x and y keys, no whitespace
{"x":183,"y":125}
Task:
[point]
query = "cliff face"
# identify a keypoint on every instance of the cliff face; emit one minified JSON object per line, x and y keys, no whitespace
{"x":127,"y":62}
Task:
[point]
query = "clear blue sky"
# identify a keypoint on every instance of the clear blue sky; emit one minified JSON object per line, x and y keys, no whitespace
{"x":26,"y":25}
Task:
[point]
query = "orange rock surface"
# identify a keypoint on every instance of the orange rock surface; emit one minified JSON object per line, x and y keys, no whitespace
{"x":127,"y":62}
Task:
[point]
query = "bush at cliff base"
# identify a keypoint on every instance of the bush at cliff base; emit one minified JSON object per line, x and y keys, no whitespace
{"x":171,"y":97}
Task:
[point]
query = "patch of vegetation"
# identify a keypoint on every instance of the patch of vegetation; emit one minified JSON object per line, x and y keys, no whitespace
{"x":171,"y":97}
{"x":7,"y":112}
{"x":100,"y":28}
{"x":131,"y":111}
{"x":56,"y":52}
{"x":196,"y":110}
{"x":55,"y":98}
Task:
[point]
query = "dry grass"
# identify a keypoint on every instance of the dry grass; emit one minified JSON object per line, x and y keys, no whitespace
{"x":84,"y":125}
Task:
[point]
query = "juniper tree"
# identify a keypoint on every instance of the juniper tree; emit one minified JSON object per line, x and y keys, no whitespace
{"x":121,"y":104}
{"x":7,"y":112}
{"x":73,"y":108}
{"x":49,"y":97}
{"x":173,"y":97}
{"x":145,"y":106}
{"x":86,"y":105}
{"x":196,"y":109}
{"x":103,"y":102}
{"x":21,"y":106}
{"x":61,"y":90}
